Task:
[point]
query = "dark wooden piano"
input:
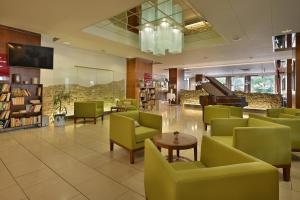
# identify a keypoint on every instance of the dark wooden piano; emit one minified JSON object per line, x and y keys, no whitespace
{"x":219,"y":95}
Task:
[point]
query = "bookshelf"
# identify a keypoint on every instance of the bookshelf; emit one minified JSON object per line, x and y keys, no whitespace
{"x":20,"y":106}
{"x":147,"y":98}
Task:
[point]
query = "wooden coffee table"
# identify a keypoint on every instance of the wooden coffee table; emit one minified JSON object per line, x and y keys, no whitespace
{"x":177,"y":142}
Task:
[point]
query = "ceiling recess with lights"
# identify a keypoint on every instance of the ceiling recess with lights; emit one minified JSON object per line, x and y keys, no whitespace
{"x":159,"y":27}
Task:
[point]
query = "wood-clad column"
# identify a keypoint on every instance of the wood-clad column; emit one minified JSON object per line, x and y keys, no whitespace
{"x":176,"y":82}
{"x":277,"y":78}
{"x":298,"y":70}
{"x":198,"y":78}
{"x":289,"y":74}
{"x":136,"y":68}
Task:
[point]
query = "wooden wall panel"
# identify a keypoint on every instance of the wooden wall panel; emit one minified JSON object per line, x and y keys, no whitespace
{"x":289,"y":75}
{"x":9,"y":34}
{"x":136,"y":68}
{"x":176,"y":81}
{"x":297,"y":70}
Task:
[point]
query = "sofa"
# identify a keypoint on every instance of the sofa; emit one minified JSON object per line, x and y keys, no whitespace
{"x":290,"y":121}
{"x":88,"y":109}
{"x":222,"y":173}
{"x":264,"y":140}
{"x":129,"y":104}
{"x":220,"y":111}
{"x":130,"y":129}
{"x":283,"y":113}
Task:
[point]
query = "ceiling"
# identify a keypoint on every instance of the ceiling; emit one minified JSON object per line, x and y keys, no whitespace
{"x":250,"y":22}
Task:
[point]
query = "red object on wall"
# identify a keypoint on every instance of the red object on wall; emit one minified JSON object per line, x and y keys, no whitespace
{"x":4,"y":68}
{"x":148,"y":79}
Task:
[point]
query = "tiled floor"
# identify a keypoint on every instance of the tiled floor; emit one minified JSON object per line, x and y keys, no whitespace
{"x":74,"y":162}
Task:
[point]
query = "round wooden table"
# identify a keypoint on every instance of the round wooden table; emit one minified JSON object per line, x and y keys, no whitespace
{"x":177,"y":142}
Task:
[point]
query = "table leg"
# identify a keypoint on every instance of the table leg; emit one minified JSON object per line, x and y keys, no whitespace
{"x":195,"y":152}
{"x":159,"y":149}
{"x":170,"y":155}
{"x":178,"y":154}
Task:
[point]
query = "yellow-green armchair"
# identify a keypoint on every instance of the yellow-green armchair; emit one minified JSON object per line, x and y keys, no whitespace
{"x":88,"y":109}
{"x":267,"y":141}
{"x":283,"y":113}
{"x":223,"y":173}
{"x":130,"y":129}
{"x":220,"y":111}
{"x":129,"y":104}
{"x":292,"y":122}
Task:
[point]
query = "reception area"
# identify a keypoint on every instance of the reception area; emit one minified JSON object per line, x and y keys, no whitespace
{"x":149,"y":100}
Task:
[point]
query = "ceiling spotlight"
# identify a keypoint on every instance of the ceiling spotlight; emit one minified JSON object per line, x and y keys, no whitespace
{"x":67,"y":43}
{"x":286,"y":31}
{"x":250,"y":57}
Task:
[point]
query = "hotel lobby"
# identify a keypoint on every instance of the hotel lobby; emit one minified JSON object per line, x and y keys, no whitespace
{"x":149,"y":100}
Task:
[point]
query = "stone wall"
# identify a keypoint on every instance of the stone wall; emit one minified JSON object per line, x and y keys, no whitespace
{"x":261,"y":100}
{"x":191,"y":96}
{"x":106,"y":92}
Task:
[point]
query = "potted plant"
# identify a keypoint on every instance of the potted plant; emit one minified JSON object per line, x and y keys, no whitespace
{"x":60,"y":113}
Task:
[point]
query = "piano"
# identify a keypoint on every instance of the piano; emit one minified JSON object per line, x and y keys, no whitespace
{"x":220,"y":95}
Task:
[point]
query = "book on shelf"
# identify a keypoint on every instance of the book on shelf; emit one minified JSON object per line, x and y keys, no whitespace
{"x":5,"y":97}
{"x":5,"y":87}
{"x":37,"y":108}
{"x":25,"y":121}
{"x":4,"y":124}
{"x":35,"y":101}
{"x":4,"y":106}
{"x":5,"y":114}
{"x":20,"y":92}
{"x":39,"y":91}
{"x":18,"y":101}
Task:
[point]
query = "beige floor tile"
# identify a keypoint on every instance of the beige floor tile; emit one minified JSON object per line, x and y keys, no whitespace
{"x":101,"y":187}
{"x":117,"y":171}
{"x":25,"y":166}
{"x":6,"y":179}
{"x":136,"y":183}
{"x":54,"y":188}
{"x":131,"y":196}
{"x":94,"y":160}
{"x":35,"y":177}
{"x":12,"y":193}
{"x":80,"y":197}
{"x":77,"y":173}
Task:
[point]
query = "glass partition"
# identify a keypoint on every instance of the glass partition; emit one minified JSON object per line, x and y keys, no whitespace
{"x":263,"y":84}
{"x":238,"y":83}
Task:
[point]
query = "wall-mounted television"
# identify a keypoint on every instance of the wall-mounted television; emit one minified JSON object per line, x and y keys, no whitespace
{"x":30,"y":56}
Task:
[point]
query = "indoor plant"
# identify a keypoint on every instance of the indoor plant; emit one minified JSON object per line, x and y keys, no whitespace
{"x":59,"y":100}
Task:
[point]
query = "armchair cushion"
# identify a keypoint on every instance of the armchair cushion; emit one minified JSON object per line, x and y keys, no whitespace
{"x":221,"y":111}
{"x":142,"y":133}
{"x":187,"y":165}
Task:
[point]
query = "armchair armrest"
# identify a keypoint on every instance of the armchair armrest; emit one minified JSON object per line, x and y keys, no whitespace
{"x":85,"y":109}
{"x":211,"y":112}
{"x":274,"y":112}
{"x":236,"y":111}
{"x":122,"y":130}
{"x":224,"y":127}
{"x":151,"y":120}
{"x":245,"y":181}
{"x":214,"y":153}
{"x":270,"y":144}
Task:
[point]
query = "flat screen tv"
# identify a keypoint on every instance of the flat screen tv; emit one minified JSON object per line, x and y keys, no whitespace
{"x":30,"y":56}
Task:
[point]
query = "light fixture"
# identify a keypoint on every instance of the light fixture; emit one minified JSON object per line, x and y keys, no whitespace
{"x":287,"y":31}
{"x":161,"y":27}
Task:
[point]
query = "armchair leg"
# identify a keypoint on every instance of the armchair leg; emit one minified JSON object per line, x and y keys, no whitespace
{"x":131,"y":153}
{"x":75,"y":120}
{"x":111,"y":145}
{"x":102,"y":118}
{"x":286,"y":173}
{"x":95,"y":120}
{"x":205,"y":126}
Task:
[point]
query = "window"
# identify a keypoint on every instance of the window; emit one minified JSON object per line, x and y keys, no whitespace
{"x":222,"y":80}
{"x":237,"y":83}
{"x":263,"y":84}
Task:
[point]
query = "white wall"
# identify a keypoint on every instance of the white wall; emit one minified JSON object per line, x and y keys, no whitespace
{"x":66,"y":58}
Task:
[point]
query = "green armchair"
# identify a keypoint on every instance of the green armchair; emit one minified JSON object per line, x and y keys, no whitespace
{"x":130,"y":129}
{"x":292,"y":122}
{"x":223,"y":173}
{"x":283,"y":113}
{"x":267,"y":141}
{"x":129,"y":104}
{"x":220,"y":111}
{"x":89,"y":109}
